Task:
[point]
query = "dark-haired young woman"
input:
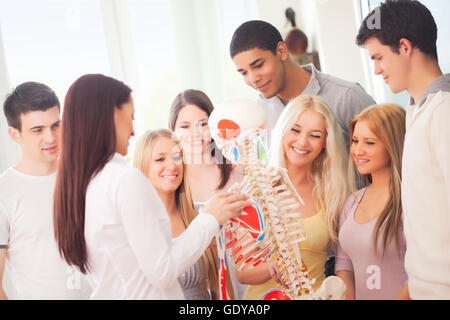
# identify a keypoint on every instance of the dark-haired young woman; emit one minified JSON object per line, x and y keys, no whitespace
{"x":109,"y":220}
{"x":207,"y":170}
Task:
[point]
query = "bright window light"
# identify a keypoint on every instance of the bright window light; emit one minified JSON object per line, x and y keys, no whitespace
{"x":52,"y":41}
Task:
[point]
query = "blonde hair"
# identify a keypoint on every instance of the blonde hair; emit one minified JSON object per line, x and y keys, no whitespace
{"x":183,"y":197}
{"x":387,"y":121}
{"x":328,"y":172}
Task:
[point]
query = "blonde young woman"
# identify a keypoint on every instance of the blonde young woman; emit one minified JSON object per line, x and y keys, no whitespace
{"x":159,"y":156}
{"x":370,"y":255}
{"x":308,"y":142}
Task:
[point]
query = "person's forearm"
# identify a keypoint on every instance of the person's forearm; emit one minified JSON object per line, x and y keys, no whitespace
{"x":258,"y":275}
{"x":349,"y":279}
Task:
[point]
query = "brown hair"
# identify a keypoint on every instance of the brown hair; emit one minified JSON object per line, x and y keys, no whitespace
{"x":88,"y":143}
{"x":387,"y":121}
{"x":201,"y":100}
{"x":183,"y":197}
{"x":27,"y":97}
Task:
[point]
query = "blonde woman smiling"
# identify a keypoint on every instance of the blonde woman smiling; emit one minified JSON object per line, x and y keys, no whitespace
{"x":159,"y":156}
{"x":371,"y":251}
{"x":308,"y":142}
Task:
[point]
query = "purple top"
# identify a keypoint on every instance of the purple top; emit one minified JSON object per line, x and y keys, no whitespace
{"x":377,"y":277}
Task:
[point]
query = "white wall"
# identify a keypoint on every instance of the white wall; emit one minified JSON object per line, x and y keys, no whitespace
{"x":9,"y":151}
{"x":274,"y":12}
{"x":333,"y":24}
{"x":202,"y":33}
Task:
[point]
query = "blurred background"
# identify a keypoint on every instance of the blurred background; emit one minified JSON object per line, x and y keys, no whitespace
{"x":161,"y":47}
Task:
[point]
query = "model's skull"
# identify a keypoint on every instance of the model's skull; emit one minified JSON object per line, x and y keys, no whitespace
{"x":232,"y":122}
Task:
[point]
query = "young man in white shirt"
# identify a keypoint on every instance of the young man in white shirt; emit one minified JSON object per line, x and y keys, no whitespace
{"x":404,"y":52}
{"x":28,"y":249}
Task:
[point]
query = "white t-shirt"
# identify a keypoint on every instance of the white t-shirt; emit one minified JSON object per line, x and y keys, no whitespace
{"x":34,"y":267}
{"x":131,"y":253}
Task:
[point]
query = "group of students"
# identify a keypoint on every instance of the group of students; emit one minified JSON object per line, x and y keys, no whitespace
{"x":375,"y":179}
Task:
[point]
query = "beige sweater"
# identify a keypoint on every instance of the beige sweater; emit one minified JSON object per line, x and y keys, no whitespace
{"x":426,"y":197}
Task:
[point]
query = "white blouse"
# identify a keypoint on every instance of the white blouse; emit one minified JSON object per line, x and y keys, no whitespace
{"x":128,"y":235}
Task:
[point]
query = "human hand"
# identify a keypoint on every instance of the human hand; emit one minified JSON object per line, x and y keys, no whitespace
{"x":225,"y":206}
{"x":275,"y":273}
{"x":213,"y":244}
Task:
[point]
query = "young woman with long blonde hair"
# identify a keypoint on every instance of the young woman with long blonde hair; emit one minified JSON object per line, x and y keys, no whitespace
{"x":308,"y":142}
{"x":158,"y":154}
{"x":370,"y":255}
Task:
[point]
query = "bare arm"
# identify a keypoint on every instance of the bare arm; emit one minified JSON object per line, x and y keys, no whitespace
{"x":258,"y":275}
{"x":2,"y":268}
{"x":349,"y":279}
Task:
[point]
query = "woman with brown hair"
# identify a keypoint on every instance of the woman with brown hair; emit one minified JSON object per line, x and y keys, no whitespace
{"x":109,"y":220}
{"x":371,"y":251}
{"x":208,"y":170}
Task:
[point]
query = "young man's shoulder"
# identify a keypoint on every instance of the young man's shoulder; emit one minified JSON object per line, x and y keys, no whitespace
{"x":14,"y":183}
{"x":440,"y":103}
{"x":438,"y":100}
{"x":6,"y":177}
{"x":341,"y":89}
{"x":349,"y":87}
{"x":7,"y":185}
{"x":440,"y":89}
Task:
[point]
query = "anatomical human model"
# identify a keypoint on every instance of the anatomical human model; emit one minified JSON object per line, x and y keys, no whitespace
{"x":271,"y":229}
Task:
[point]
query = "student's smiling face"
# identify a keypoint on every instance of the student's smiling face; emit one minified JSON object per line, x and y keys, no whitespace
{"x":262,"y":70}
{"x":165,"y":170}
{"x":39,"y":136}
{"x":306,"y":139}
{"x":192,"y":129}
{"x":367,"y":150}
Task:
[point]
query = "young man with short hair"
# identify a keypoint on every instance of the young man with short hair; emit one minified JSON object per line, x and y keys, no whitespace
{"x":27,"y":241}
{"x":261,"y":56}
{"x":404,"y":52}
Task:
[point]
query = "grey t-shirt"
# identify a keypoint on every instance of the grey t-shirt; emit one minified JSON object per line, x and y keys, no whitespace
{"x":346,"y":99}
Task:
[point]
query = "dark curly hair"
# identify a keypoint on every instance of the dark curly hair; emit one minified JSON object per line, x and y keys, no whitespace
{"x":399,"y":19}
